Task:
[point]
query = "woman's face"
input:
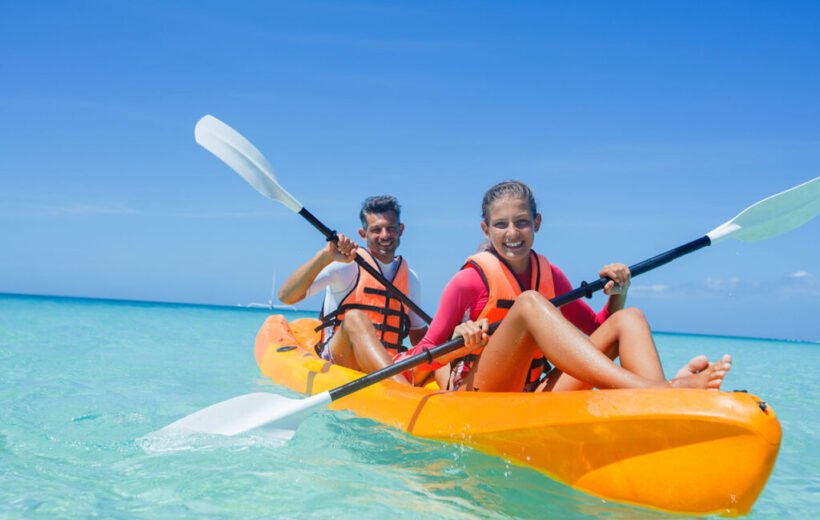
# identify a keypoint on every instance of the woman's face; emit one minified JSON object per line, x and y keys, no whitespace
{"x":511,"y":230}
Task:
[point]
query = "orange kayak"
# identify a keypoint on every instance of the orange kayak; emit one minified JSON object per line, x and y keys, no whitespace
{"x":684,"y":451}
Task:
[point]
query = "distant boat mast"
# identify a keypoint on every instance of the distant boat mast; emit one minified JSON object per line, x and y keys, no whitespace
{"x":270,"y":305}
{"x":273,"y":295}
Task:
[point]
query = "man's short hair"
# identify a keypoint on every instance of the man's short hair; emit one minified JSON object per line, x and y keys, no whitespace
{"x":379,"y":204}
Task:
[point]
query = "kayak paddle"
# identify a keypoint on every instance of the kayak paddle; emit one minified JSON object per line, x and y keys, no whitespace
{"x":768,"y":218}
{"x":244,"y":158}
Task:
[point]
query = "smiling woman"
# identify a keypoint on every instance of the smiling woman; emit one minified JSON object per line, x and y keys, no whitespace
{"x":512,"y":282}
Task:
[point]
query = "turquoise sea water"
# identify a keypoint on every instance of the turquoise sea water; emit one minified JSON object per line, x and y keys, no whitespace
{"x":82,"y":382}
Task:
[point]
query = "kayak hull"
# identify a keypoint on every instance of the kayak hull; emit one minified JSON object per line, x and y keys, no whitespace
{"x":684,"y":451}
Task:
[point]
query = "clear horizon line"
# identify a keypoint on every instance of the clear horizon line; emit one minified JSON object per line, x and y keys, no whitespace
{"x":239,"y":307}
{"x":236,"y":306}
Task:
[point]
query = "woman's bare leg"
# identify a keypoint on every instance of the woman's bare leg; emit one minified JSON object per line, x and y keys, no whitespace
{"x":626,"y":334}
{"x":355,"y":345}
{"x":533,"y":321}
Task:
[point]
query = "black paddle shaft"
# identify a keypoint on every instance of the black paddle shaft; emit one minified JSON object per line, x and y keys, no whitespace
{"x":331,"y":236}
{"x":584,"y":290}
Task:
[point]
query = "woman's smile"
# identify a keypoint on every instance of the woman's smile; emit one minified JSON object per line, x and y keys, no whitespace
{"x":514,"y":245}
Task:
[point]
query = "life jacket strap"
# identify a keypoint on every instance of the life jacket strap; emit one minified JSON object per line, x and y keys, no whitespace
{"x":541,"y":363}
{"x":363,"y":307}
{"x":403,"y":330}
{"x":387,"y":328}
{"x":331,"y":318}
{"x":395,"y":346}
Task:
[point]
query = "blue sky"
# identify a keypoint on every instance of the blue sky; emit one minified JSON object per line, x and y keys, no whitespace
{"x":640,"y":126}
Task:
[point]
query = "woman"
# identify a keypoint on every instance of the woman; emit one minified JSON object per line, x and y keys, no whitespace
{"x":512,"y":282}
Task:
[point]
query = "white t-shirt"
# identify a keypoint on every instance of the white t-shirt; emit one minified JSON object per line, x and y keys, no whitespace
{"x":339,"y":278}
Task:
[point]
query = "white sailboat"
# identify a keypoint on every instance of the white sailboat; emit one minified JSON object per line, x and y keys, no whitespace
{"x":270,"y":305}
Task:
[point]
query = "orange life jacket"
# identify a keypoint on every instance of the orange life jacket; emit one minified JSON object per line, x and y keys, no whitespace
{"x":390,"y":317}
{"x":504,"y":288}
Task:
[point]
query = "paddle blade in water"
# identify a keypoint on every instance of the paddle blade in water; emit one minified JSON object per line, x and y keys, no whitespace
{"x":774,"y":215}
{"x":250,"y":411}
{"x":243,"y":158}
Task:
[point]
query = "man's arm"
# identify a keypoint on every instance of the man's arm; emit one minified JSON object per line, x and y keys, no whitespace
{"x":296,"y":286}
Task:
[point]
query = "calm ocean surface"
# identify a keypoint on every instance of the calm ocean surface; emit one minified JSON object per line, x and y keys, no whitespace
{"x":82,"y":382}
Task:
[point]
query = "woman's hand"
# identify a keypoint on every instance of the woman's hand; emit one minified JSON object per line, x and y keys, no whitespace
{"x":474,"y":334}
{"x":619,"y":278}
{"x":342,"y":250}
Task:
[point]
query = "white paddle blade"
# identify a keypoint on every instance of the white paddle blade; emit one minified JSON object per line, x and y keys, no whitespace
{"x":243,"y":158}
{"x":250,"y":411}
{"x":774,"y":215}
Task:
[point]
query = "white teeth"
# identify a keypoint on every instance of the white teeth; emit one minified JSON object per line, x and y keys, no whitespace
{"x":514,"y":244}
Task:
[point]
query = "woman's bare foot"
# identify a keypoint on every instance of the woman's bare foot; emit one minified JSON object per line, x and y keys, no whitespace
{"x":696,"y":364}
{"x":709,"y":378}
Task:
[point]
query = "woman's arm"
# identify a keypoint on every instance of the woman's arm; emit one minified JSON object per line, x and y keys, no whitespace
{"x":617,"y":287}
{"x":462,"y":296}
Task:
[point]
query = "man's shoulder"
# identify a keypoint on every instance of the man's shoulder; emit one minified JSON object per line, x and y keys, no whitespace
{"x":411,"y":273}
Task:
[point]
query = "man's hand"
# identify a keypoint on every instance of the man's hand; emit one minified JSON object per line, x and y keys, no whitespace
{"x":342,"y":250}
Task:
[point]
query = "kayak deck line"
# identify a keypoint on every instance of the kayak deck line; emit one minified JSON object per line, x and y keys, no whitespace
{"x":411,"y":424}
{"x":312,"y":375}
{"x":678,"y":450}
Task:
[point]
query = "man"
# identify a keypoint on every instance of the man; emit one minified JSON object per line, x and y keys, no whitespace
{"x":364,"y":324}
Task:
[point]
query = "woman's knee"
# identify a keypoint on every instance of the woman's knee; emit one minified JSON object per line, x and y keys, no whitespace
{"x":629,"y":317}
{"x":535,"y":300}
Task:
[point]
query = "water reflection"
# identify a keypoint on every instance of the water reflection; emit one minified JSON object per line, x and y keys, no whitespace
{"x":457,"y":478}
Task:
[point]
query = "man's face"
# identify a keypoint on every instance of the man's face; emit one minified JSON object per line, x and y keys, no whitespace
{"x":382,"y":235}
